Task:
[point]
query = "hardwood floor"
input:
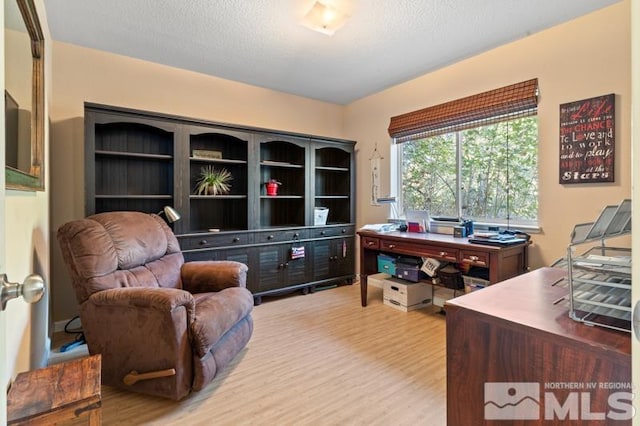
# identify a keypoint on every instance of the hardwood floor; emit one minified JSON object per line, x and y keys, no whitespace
{"x":317,"y":359}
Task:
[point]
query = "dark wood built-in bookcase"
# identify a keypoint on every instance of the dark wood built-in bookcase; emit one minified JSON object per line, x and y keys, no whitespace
{"x":143,"y":161}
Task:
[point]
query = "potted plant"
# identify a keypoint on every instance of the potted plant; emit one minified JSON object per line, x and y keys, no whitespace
{"x":213,"y":182}
{"x":272,"y":187}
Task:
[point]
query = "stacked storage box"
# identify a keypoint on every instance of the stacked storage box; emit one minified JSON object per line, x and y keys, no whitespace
{"x":406,"y":296}
{"x":387,"y":264}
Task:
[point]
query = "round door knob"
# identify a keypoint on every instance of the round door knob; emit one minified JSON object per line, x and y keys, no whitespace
{"x":236,"y":239}
{"x":31,"y":290}
{"x":270,"y":237}
{"x":322,"y":232}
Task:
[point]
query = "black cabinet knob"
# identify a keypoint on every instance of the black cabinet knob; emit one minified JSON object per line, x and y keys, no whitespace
{"x":344,"y":231}
{"x":236,"y":239}
{"x":203,"y":242}
{"x":270,"y":237}
{"x":322,"y":232}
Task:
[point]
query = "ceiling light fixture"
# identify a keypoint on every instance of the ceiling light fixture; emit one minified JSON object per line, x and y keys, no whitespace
{"x":324,"y":18}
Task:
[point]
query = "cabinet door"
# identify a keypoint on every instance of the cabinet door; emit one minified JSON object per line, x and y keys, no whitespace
{"x":276,"y":270}
{"x":344,"y":263}
{"x":270,"y":268}
{"x":242,"y":255}
{"x":333,"y":258}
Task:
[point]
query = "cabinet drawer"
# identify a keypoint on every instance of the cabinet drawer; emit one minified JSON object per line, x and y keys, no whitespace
{"x":370,"y":243}
{"x":275,"y":236}
{"x":476,"y":258}
{"x":334,"y":231}
{"x":202,"y":241}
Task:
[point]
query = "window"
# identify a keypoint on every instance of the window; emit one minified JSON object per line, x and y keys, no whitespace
{"x":482,"y":168}
{"x":488,"y":174}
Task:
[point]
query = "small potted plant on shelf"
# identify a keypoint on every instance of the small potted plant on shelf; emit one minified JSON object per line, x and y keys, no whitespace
{"x":272,"y":187}
{"x":213,"y":181}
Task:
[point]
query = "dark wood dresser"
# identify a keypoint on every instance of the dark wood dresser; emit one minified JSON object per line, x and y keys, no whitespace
{"x":511,"y":334}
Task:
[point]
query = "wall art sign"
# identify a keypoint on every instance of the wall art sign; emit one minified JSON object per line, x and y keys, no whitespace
{"x":587,"y":140}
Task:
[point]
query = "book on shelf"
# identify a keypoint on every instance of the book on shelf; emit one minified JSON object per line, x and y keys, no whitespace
{"x":207,"y":154}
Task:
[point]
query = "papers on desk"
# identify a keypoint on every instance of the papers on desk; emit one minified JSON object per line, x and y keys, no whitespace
{"x":379,"y":227}
{"x":495,"y":239}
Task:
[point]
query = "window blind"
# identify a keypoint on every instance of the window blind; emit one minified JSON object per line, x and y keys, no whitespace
{"x":516,"y":100}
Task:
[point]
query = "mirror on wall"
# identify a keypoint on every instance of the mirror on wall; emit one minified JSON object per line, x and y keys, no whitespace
{"x":24,"y":96}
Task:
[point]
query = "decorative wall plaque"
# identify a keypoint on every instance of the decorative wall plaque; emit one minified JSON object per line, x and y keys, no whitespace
{"x":587,"y":140}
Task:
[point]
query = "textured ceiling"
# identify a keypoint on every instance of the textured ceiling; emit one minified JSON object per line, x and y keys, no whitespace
{"x":261,"y":42}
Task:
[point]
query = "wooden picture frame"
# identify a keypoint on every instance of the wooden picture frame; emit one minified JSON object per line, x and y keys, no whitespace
{"x":587,"y":140}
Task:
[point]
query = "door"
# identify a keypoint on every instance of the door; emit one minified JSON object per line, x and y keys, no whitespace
{"x":4,"y":379}
{"x":635,"y":196}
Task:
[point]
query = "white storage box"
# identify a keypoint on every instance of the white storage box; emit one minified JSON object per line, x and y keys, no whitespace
{"x":473,"y":283}
{"x":377,"y":280}
{"x":406,"y":296}
{"x":441,"y":295}
{"x":320,"y":216}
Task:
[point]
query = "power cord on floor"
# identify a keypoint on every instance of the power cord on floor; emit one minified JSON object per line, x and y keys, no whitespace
{"x":78,"y":340}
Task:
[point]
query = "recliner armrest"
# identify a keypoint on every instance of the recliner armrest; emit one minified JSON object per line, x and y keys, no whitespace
{"x":213,"y":275}
{"x":162,"y":299}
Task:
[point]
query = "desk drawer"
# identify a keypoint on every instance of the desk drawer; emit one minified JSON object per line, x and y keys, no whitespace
{"x":370,"y":243}
{"x":443,"y":253}
{"x":475,"y":258}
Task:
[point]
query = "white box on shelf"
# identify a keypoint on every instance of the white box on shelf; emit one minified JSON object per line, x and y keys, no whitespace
{"x":441,"y":295}
{"x":377,"y":280}
{"x":407,"y":296}
{"x":320,"y":216}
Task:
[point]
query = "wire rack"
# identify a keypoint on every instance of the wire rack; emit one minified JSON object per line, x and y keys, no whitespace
{"x":599,"y":280}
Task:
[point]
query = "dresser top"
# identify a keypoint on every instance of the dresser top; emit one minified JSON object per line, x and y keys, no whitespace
{"x":528,"y":300}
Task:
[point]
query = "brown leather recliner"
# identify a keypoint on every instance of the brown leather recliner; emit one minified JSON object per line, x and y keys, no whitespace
{"x":164,"y":327}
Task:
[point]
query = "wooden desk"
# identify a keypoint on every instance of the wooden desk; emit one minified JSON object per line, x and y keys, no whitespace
{"x":57,"y":393}
{"x":513,"y":332}
{"x":502,"y":262}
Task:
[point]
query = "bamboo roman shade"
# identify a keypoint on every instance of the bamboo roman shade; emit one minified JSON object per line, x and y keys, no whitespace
{"x":516,"y":100}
